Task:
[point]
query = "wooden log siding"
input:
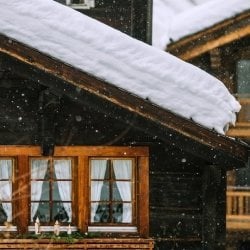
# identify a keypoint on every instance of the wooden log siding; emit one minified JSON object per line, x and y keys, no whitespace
{"x":86,"y":244}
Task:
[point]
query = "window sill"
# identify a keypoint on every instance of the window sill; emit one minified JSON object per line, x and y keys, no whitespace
{"x":112,"y":229}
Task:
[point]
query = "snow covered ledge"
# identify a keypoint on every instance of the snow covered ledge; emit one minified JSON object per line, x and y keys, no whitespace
{"x":110,"y":55}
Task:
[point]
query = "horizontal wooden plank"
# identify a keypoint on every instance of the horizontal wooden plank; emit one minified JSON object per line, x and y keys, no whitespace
{"x":104,"y":243}
{"x":14,"y":150}
{"x":109,"y":151}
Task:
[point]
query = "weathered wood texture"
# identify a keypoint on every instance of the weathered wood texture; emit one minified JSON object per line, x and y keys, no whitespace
{"x":175,"y":199}
{"x":213,"y":37}
{"x":87,"y":244}
{"x":131,"y":17}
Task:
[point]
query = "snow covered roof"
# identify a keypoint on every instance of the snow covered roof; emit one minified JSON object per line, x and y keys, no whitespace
{"x":172,"y":22}
{"x":118,"y":59}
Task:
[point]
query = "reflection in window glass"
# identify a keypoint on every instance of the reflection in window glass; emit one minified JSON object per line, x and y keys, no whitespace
{"x":243,"y":76}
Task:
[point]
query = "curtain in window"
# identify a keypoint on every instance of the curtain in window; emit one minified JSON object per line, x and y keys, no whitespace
{"x":6,"y":187}
{"x":123,"y":170}
{"x":63,"y":171}
{"x":98,"y":169}
{"x":38,"y":171}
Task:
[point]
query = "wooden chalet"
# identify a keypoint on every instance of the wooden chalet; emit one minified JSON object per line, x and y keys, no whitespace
{"x":63,"y":135}
{"x":224,"y":51}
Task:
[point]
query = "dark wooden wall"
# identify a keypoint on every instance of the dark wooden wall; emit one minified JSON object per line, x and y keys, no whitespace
{"x":133,"y":17}
{"x":33,"y":113}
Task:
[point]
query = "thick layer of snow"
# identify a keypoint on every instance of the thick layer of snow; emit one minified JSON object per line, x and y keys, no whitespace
{"x":175,"y":21}
{"x":119,"y":59}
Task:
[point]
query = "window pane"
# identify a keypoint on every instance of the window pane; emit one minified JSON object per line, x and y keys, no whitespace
{"x":62,"y":212}
{"x":5,"y":212}
{"x":62,"y":169}
{"x":124,"y":190}
{"x":42,"y":211}
{"x":39,"y":168}
{"x":39,"y":190}
{"x":117,"y":212}
{"x":243,"y":76}
{"x":100,"y":191}
{"x":98,"y":169}
{"x":6,"y":190}
{"x":5,"y":169}
{"x":61,"y":191}
{"x":100,"y":212}
{"x":123,"y":169}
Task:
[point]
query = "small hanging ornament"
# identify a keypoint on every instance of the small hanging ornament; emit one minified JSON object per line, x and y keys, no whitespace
{"x":69,"y":231}
{"x":37,"y":226}
{"x":57,"y":228}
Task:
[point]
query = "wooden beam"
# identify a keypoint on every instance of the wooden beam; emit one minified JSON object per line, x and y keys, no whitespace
{"x":218,"y":35}
{"x":228,"y":38}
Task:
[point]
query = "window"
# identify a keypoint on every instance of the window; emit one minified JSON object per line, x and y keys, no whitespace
{"x":51,"y":190}
{"x":112,"y":191}
{"x":6,"y":182}
{"x":81,"y":4}
{"x":95,"y":189}
{"x":243,"y":77}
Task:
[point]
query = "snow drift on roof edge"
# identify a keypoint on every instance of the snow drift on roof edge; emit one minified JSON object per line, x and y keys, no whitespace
{"x":108,"y":54}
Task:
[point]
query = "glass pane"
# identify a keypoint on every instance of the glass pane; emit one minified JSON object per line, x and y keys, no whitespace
{"x":42,"y":212}
{"x":116,"y":194}
{"x":39,"y":168}
{"x":5,"y":190}
{"x":122,"y":191}
{"x":122,"y":169}
{"x":127,"y":213}
{"x":62,"y":169}
{"x":5,"y":169}
{"x":117,"y":213}
{"x":243,"y":76}
{"x":39,"y":190}
{"x":101,"y":212}
{"x":62,"y":212}
{"x":99,"y":191}
{"x":61,"y":191}
{"x":5,"y":212}
{"x":98,"y":169}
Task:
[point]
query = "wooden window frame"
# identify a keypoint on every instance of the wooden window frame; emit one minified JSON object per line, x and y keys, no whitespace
{"x":81,"y":156}
{"x":86,"y":5}
{"x":51,"y":160}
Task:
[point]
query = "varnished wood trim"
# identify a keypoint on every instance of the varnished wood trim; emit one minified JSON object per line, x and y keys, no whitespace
{"x":212,"y":37}
{"x":143,"y":213}
{"x":23,"y":212}
{"x":196,"y":51}
{"x":108,"y":151}
{"x":15,"y":150}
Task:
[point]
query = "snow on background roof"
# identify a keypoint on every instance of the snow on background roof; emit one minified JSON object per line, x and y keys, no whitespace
{"x":177,"y":19}
{"x":110,"y":55}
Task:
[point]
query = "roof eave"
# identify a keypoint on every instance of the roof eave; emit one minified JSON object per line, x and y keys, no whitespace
{"x":214,"y":143}
{"x":212,"y":37}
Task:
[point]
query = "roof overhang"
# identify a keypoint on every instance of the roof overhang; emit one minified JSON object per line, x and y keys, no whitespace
{"x":215,"y":36}
{"x":169,"y":127}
